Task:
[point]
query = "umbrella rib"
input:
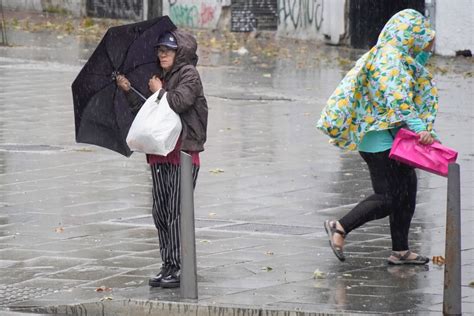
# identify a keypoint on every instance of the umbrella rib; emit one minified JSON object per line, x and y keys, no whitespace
{"x":136,"y":66}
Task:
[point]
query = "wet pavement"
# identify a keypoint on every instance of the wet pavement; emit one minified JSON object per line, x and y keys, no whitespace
{"x":75,"y":218}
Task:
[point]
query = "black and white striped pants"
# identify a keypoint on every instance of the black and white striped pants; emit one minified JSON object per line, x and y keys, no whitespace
{"x":166,"y":209}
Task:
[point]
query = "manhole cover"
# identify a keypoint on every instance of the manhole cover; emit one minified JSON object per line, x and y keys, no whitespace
{"x":269,"y":228}
{"x":11,"y":295}
{"x":24,"y":147}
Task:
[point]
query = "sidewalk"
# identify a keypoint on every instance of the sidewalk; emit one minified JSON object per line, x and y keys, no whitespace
{"x":75,"y":219}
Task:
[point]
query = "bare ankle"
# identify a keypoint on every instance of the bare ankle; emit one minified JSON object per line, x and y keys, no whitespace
{"x":339,"y":226}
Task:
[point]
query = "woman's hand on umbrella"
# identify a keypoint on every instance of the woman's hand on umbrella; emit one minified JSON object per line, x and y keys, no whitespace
{"x":123,"y":83}
{"x":154,"y":84}
{"x":426,"y":138}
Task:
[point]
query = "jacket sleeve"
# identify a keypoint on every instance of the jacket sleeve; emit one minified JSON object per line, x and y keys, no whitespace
{"x":187,"y":90}
{"x":134,"y":101}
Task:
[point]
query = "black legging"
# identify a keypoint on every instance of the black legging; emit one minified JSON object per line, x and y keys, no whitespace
{"x":394,"y":185}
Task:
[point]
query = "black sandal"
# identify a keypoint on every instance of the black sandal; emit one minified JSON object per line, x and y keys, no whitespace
{"x":331,"y":230}
{"x":399,"y":259}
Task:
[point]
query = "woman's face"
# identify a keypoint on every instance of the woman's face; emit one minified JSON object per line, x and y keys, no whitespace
{"x":166,"y":56}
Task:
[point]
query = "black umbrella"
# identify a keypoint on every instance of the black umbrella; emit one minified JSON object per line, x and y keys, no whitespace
{"x":101,"y":111}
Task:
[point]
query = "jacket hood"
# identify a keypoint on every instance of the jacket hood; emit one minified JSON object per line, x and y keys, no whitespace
{"x":408,"y":31}
{"x":187,"y":47}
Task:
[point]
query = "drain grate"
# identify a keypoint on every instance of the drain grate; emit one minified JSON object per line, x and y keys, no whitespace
{"x":26,"y":148}
{"x":10,"y":294}
{"x":269,"y":228}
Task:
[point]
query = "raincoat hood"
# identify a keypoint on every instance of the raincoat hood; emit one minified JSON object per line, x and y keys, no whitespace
{"x":408,"y":31}
{"x":386,"y":87}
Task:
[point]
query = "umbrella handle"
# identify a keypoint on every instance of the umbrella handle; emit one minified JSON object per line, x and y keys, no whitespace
{"x":114,"y":77}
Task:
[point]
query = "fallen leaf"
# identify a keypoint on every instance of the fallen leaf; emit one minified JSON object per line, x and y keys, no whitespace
{"x":268,"y":269}
{"x":318,"y":274}
{"x":471,"y":284}
{"x":216,"y":170}
{"x":106,"y":298}
{"x":59,"y":230}
{"x":103,"y":288}
{"x":270,"y":253}
{"x":439,"y":260}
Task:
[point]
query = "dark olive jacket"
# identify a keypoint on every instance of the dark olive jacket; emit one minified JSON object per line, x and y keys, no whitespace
{"x":184,"y":93}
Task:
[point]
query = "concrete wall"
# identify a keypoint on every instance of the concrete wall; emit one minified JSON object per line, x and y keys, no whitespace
{"x":312,"y":19}
{"x":454,"y":24}
{"x":30,"y":5}
{"x":74,"y":7}
{"x":195,"y":14}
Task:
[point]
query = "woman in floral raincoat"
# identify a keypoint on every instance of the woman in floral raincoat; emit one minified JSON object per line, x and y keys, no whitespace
{"x":387,"y":89}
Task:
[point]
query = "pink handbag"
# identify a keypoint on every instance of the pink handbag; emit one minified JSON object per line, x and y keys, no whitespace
{"x":433,"y":158}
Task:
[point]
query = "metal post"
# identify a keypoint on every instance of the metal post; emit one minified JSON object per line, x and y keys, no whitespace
{"x":188,"y":239}
{"x":452,"y":269}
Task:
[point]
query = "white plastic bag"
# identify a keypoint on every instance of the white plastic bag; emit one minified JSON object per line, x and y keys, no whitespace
{"x":155,"y":129}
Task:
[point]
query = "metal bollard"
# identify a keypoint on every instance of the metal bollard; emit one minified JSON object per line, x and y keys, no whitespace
{"x":452,"y":268}
{"x":189,"y":288}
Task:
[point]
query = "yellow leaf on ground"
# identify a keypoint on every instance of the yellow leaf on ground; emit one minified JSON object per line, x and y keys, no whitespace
{"x":439,"y":260}
{"x":216,"y":170}
{"x":106,"y":298}
{"x":318,"y":274}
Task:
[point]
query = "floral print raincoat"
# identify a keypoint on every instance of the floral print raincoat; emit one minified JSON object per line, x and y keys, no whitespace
{"x":386,"y":87}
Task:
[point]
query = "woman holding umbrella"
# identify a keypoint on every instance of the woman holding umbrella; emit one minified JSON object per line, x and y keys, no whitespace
{"x":388,"y":88}
{"x":178,"y":77}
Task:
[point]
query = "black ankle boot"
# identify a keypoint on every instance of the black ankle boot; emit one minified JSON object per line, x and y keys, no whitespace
{"x":156,"y":280}
{"x":172,"y":280}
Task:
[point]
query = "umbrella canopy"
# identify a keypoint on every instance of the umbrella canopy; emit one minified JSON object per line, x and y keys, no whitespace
{"x":101,"y":111}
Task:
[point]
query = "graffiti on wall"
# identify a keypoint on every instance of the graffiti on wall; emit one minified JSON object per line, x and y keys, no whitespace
{"x":188,"y":13}
{"x":301,"y":14}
